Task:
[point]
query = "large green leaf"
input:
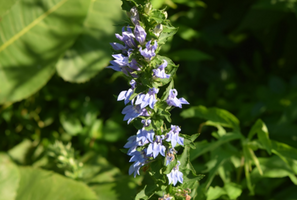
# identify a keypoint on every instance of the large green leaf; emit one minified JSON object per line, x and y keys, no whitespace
{"x":5,"y":6}
{"x":91,"y":52}
{"x":106,"y":180}
{"x":33,"y":35}
{"x":9,"y":178}
{"x":215,"y":115}
{"x":46,"y":185}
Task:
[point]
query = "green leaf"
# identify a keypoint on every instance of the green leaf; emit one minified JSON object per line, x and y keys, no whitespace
{"x":274,"y":167}
{"x":106,"y":180}
{"x":215,"y":192}
{"x":5,"y":6}
{"x":9,"y":178}
{"x":166,"y":93}
{"x":189,"y":140}
{"x":215,"y":115}
{"x":71,"y":124}
{"x":33,"y":35}
{"x":41,"y":184}
{"x":233,"y":190}
{"x":168,"y":31}
{"x":91,"y":52}
{"x":147,"y":192}
{"x":19,"y":153}
{"x":260,"y":128}
{"x":203,"y":147}
{"x":284,"y":149}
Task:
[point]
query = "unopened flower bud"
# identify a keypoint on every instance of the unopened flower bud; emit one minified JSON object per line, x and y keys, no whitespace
{"x":158,"y":29}
{"x":134,"y":16}
{"x":61,"y":158}
{"x":71,"y":161}
{"x":165,"y":14}
{"x":147,"y":8}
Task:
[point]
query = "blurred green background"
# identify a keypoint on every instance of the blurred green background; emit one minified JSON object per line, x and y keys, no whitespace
{"x":234,"y":55}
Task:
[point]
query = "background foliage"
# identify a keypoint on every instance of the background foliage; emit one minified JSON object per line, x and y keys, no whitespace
{"x":235,"y":57}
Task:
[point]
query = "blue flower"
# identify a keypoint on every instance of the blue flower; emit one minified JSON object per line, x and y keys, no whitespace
{"x":117,"y":46}
{"x":131,"y":112}
{"x":147,"y":99}
{"x":145,"y":136}
{"x":127,"y":37}
{"x":173,"y":101}
{"x":156,"y":147}
{"x":149,"y":51}
{"x":131,"y":145}
{"x":119,"y":62}
{"x":170,"y":156}
{"x":140,"y":34}
{"x":175,"y":175}
{"x":160,"y":71}
{"x":126,"y":94}
{"x":139,"y":159}
{"x":173,"y":136}
{"x":134,"y":65}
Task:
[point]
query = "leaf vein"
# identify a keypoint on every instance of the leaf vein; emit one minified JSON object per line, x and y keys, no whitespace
{"x":31,"y":25}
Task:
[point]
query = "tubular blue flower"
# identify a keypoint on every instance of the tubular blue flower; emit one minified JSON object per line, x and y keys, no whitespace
{"x":134,"y":65}
{"x":140,"y":34}
{"x":145,"y":136}
{"x":119,"y":62}
{"x":160,"y":71}
{"x":175,"y":175}
{"x":127,"y":37}
{"x":131,"y":112}
{"x":126,"y":94}
{"x":156,"y":147}
{"x":140,"y":159}
{"x":170,"y":156}
{"x":117,"y":46}
{"x":131,"y":145}
{"x":173,"y":136}
{"x":147,"y":99}
{"x":149,"y":51}
{"x":173,"y":101}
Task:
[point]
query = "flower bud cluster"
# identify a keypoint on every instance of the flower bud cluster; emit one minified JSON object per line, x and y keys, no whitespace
{"x":136,"y":55}
{"x":64,"y":156}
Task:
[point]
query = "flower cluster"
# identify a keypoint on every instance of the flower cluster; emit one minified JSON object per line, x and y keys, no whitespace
{"x":136,"y":55}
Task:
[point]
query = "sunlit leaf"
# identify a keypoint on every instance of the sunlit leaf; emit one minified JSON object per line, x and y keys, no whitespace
{"x":233,"y":190}
{"x":33,"y":35}
{"x":40,"y":184}
{"x":5,"y":6}
{"x":91,"y":52}
{"x":215,"y":115}
{"x":260,"y":128}
{"x":9,"y":178}
{"x":215,"y":192}
{"x":284,"y":149}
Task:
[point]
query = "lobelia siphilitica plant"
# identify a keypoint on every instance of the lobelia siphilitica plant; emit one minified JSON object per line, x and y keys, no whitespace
{"x":156,"y":146}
